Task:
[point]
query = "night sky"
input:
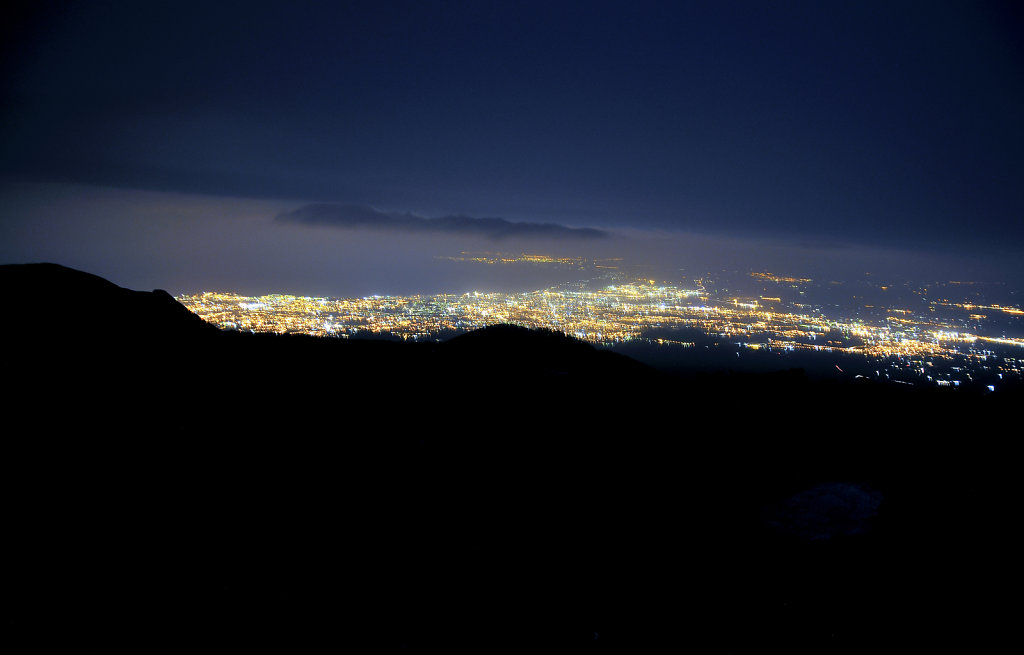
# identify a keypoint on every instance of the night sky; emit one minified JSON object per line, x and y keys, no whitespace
{"x":167,"y":144}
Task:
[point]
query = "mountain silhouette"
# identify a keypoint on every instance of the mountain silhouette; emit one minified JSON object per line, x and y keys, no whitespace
{"x":50,"y":299}
{"x":171,"y":484}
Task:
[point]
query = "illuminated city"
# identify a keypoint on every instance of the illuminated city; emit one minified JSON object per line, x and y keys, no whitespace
{"x":925,"y":331}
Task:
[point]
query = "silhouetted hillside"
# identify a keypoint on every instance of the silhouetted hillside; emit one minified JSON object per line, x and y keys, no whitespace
{"x":55,"y":301}
{"x":174,"y":486}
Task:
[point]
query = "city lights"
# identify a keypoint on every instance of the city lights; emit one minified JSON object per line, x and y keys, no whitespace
{"x":615,"y":308}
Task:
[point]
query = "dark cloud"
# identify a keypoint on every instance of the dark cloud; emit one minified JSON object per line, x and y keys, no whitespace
{"x":792,"y":122}
{"x":361,"y":216}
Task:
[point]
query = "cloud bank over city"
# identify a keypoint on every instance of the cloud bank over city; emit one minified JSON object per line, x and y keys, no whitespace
{"x":349,"y":216}
{"x":189,"y":242}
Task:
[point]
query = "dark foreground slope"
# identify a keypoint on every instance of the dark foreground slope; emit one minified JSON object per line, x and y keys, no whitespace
{"x":174,"y":488}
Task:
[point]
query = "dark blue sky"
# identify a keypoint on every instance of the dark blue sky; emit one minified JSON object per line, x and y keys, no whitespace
{"x":885,"y":124}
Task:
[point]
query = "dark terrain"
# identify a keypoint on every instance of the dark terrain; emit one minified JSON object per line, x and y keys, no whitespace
{"x":173,"y":488}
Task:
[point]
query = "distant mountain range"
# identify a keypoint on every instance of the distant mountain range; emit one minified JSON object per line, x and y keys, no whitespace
{"x":172,"y":486}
